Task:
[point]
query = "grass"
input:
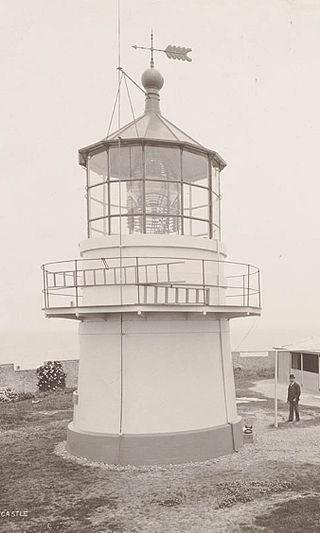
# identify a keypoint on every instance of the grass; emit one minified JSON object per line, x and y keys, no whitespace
{"x":246,"y":492}
{"x":298,"y":514}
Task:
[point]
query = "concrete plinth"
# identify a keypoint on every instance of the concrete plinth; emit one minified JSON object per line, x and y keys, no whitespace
{"x":152,"y":449}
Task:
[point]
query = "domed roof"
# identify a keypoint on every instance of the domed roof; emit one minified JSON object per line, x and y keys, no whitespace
{"x":152,"y":125}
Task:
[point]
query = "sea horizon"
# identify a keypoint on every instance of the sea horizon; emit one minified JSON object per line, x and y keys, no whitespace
{"x":29,"y":349}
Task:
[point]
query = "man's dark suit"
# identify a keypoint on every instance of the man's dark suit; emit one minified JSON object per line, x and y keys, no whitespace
{"x":294,"y":392}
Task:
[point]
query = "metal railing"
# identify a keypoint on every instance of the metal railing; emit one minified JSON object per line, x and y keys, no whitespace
{"x":150,"y":280}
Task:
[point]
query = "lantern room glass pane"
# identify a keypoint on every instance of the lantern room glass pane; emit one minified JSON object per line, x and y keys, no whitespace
{"x":195,"y":168}
{"x":99,"y":201}
{"x":134,"y":196}
{"x":200,"y":228}
{"x":195,"y":201}
{"x":162,"y":163}
{"x":98,"y":228}
{"x":98,"y":168}
{"x":126,"y":197}
{"x":134,"y":224}
{"x":162,"y":197}
{"x":130,"y":165}
{"x":128,"y":224}
{"x":118,"y":198}
{"x":162,"y":224}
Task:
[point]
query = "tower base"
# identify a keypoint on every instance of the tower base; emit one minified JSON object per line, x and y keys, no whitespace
{"x":153,"y":449}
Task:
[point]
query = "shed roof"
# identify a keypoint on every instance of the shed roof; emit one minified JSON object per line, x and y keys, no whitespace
{"x":310,"y":345}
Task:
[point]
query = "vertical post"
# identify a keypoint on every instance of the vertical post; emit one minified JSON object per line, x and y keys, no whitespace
{"x":218,"y":275}
{"x":47,"y":286}
{"x":259,"y":289}
{"x":44,"y":287}
{"x":144,"y":217}
{"x":88,"y":195}
{"x":203,"y":282}
{"x":104,"y":206}
{"x":217,"y":171}
{"x":166,"y":294}
{"x":137,"y":279}
{"x":187,"y":293}
{"x":76,"y":281}
{"x":276,"y":388}
{"x":210,"y":197}
{"x":217,"y":181}
{"x":248,"y":286}
{"x":181,"y":192}
{"x":190,"y":210}
{"x":109,"y":199}
{"x":177,"y":299}
{"x":243,"y":290}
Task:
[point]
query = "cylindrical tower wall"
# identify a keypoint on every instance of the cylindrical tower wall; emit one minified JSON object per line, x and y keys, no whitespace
{"x":156,"y":382}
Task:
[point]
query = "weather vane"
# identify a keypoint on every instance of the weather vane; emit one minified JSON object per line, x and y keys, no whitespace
{"x":172,"y":52}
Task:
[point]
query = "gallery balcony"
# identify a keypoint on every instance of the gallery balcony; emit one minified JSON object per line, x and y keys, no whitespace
{"x":80,"y":287}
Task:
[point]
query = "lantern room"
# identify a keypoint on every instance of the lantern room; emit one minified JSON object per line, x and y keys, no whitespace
{"x":149,"y":177}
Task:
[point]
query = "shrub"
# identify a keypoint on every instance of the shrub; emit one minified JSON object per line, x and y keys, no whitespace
{"x":51,"y":376}
{"x":7,"y":395}
{"x":25,"y":396}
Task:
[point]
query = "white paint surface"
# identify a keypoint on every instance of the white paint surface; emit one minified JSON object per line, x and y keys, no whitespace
{"x":172,"y":374}
{"x":99,"y":377}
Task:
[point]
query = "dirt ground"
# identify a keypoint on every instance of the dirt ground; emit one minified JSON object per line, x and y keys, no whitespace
{"x":271,"y":484}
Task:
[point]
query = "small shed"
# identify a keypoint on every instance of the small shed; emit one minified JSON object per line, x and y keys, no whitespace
{"x":301,"y":359}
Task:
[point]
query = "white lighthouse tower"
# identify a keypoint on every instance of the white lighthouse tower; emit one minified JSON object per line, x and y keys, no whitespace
{"x":153,"y":294}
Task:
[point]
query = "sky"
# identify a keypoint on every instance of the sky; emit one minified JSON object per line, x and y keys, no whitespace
{"x":250,"y":93}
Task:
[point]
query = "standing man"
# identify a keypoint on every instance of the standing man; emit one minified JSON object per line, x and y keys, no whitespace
{"x":294,"y":392}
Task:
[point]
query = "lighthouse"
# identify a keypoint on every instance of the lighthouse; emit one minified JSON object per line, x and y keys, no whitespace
{"x":154,"y":293}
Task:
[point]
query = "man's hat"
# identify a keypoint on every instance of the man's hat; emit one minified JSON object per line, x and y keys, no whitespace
{"x":292,"y":376}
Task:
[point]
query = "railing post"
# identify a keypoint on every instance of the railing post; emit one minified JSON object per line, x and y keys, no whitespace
{"x":47,"y":290}
{"x":203,"y":282}
{"x":44,"y":286}
{"x":176,"y":295}
{"x":259,"y":289}
{"x":76,"y":281}
{"x":243,"y":290}
{"x":248,"y":286}
{"x":138,"y":279}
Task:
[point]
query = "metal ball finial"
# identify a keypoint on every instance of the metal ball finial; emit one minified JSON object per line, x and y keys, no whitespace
{"x":152,"y":79}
